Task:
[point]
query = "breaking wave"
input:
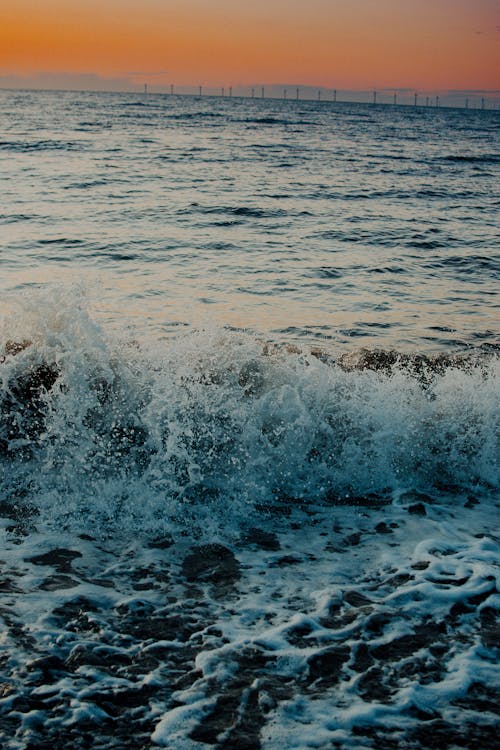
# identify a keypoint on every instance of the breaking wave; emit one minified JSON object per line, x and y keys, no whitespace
{"x":217,"y":425}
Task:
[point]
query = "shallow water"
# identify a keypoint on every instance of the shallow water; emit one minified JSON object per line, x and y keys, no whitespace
{"x":249,"y":424}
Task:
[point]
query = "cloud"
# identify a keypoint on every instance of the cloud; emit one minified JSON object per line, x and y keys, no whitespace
{"x":66,"y":81}
{"x":486,"y":92}
{"x":145,"y":72}
{"x":405,"y":90}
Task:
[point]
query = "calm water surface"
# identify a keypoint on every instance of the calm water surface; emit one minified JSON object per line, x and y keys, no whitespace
{"x":342,"y":224}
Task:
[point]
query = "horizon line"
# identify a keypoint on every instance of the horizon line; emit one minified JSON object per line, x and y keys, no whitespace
{"x":432,"y":102}
{"x":89,"y":81}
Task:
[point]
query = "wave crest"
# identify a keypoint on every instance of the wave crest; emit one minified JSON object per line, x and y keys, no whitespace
{"x":217,"y":423}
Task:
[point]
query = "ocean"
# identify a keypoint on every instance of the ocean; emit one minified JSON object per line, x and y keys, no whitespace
{"x":249,"y":424}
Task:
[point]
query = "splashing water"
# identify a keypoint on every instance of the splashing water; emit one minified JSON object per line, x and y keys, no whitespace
{"x":139,"y":435}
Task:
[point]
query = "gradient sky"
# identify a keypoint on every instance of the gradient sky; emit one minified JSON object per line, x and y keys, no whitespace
{"x":424,"y":44}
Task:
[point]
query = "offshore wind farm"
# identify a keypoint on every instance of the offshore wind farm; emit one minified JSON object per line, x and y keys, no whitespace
{"x":404,"y":97}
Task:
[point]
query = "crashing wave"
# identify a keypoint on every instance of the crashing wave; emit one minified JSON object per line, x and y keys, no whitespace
{"x":217,"y":422}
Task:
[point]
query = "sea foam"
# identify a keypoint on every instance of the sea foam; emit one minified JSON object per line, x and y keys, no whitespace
{"x":216,"y":423}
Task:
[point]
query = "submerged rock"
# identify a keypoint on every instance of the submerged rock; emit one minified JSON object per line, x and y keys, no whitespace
{"x":264,"y":539}
{"x":325,"y":666}
{"x":418,"y":509}
{"x":60,"y":559}
{"x":22,"y":405}
{"x":422,"y":366}
{"x":366,"y":359}
{"x":14,"y":347}
{"x":212,"y":563}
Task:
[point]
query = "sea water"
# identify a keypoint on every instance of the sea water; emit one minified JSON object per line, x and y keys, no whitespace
{"x":249,"y":423}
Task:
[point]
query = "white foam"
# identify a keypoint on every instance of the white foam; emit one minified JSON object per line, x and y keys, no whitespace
{"x":137,"y":437}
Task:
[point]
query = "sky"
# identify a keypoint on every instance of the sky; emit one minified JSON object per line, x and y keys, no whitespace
{"x":344,"y":44}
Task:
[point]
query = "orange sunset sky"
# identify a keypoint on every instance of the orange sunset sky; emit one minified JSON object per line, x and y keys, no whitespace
{"x":424,"y":44}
